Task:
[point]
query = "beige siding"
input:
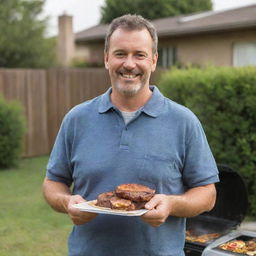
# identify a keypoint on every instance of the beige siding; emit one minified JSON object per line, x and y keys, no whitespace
{"x":82,"y":53}
{"x":97,"y":53}
{"x":92,"y":53}
{"x":215,"y":48}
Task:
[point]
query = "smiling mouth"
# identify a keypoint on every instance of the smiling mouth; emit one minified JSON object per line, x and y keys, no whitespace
{"x":129,"y":76}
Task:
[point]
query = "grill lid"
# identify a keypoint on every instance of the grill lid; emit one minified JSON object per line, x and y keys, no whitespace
{"x":232,"y":200}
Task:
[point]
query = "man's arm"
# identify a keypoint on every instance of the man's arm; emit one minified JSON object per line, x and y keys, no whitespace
{"x":193,"y":202}
{"x":59,"y":197}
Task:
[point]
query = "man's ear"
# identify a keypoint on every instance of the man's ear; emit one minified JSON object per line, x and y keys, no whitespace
{"x":154,"y":62}
{"x":106,"y":59}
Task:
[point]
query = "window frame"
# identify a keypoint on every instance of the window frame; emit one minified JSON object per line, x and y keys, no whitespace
{"x":236,"y":62}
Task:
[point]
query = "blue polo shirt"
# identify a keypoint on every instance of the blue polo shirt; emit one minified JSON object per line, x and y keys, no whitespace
{"x":163,"y":147}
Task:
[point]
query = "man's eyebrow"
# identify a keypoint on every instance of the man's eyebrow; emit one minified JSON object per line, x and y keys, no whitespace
{"x":141,"y":51}
{"x":119,"y":50}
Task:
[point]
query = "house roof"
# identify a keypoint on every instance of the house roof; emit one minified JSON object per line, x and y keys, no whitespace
{"x":243,"y":17}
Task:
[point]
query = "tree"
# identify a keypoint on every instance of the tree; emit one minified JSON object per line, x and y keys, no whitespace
{"x":22,"y":35}
{"x":152,"y":9}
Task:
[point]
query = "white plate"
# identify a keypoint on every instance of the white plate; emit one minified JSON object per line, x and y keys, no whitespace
{"x":90,"y":206}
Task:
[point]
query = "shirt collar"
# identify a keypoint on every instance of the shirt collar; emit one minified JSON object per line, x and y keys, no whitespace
{"x":152,"y":108}
{"x":105,"y":103}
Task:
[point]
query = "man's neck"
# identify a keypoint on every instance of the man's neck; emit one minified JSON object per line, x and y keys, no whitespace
{"x":131,"y":103}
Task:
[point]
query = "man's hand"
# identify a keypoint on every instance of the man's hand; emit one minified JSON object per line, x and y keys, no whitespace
{"x":193,"y":202}
{"x":159,"y":210}
{"x":78,"y":217}
{"x":59,"y":197}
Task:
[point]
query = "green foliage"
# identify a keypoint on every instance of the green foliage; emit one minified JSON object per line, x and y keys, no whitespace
{"x":12,"y":128}
{"x":224,"y":99}
{"x":152,"y":9}
{"x":22,"y":40}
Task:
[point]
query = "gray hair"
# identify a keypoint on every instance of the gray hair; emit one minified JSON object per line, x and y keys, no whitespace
{"x":132,"y":22}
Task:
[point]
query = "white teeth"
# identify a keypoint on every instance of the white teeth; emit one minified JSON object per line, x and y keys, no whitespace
{"x":128,"y":76}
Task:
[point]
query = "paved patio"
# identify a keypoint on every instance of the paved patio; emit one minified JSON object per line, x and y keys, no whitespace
{"x":248,"y":225}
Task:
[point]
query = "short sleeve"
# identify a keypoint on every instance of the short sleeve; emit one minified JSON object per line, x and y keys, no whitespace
{"x":200,"y":167}
{"x":59,"y":164}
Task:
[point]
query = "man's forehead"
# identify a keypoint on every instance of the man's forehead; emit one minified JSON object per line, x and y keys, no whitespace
{"x":131,"y":37}
{"x":128,"y":31}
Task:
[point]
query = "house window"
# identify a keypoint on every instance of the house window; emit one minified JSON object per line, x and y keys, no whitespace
{"x":166,"y":57}
{"x":244,"y":54}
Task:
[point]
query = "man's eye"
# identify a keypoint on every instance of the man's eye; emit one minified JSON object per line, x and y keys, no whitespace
{"x":140,"y":55}
{"x":119,"y":54}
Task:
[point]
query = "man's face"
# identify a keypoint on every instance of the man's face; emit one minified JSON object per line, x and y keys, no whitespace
{"x":130,"y":60}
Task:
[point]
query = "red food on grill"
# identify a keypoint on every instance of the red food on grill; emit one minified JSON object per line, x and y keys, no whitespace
{"x":240,"y":246}
{"x":135,"y":192}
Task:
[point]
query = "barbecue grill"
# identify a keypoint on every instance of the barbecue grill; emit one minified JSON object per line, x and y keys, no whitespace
{"x":206,"y":232}
{"x":214,"y":248}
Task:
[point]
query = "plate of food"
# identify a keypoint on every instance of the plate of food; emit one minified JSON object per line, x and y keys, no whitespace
{"x":125,"y":200}
{"x":90,"y":206}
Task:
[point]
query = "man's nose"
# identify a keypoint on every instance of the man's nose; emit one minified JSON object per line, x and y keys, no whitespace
{"x":129,"y":63}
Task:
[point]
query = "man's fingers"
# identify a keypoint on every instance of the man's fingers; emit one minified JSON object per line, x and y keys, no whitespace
{"x":83,"y":218}
{"x":77,"y":199}
{"x":158,"y":208}
{"x":78,"y":217}
{"x":152,"y":203}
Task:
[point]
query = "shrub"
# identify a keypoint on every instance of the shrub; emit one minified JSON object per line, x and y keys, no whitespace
{"x":12,"y":128}
{"x":224,"y":99}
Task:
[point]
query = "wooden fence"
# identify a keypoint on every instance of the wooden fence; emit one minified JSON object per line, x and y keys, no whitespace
{"x":69,"y":87}
{"x":46,"y":96}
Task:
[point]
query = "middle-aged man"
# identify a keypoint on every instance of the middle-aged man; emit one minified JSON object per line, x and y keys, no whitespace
{"x":131,"y":134}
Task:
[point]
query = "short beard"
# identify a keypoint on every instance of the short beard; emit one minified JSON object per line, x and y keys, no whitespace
{"x":129,"y":92}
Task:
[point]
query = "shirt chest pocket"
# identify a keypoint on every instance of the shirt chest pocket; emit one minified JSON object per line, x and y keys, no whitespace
{"x":161,"y":174}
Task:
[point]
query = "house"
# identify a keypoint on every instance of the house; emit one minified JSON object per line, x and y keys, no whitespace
{"x":222,"y":38}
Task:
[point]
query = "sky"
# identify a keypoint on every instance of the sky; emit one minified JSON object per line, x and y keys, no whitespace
{"x":86,"y":13}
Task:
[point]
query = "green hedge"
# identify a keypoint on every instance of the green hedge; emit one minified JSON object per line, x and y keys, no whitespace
{"x":12,"y":128}
{"x":224,"y":99}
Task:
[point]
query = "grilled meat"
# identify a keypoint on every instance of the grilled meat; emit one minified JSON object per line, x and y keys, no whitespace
{"x":110,"y":200}
{"x":205,"y":238}
{"x":122,"y":204}
{"x":103,"y":199}
{"x":135,"y":192}
{"x":128,"y":197}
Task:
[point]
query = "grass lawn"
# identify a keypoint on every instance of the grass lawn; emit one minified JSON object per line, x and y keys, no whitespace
{"x":28,"y":226}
